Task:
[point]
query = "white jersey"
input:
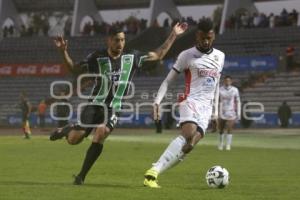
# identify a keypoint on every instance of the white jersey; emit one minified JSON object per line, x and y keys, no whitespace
{"x":229,"y":103}
{"x":202,"y":73}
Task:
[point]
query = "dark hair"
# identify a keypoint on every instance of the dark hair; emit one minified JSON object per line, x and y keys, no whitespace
{"x":228,"y":77}
{"x":205,"y":25}
{"x":114,"y":31}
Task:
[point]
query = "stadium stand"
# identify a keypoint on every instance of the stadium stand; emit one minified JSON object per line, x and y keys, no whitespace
{"x":281,"y":87}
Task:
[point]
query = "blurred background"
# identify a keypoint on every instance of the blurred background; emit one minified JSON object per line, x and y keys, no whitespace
{"x":261,"y":40}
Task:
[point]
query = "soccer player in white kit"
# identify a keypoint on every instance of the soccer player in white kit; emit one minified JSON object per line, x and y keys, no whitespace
{"x":202,"y":66}
{"x":230,"y":111}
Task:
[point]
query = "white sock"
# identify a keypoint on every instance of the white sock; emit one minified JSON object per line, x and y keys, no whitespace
{"x":221,"y":139}
{"x":229,"y":139}
{"x":171,"y":156}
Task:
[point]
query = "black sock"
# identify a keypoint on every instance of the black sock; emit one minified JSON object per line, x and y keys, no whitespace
{"x":91,"y":156}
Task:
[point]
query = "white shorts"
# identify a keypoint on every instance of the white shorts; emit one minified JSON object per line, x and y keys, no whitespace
{"x":195,"y":111}
{"x":228,"y":115}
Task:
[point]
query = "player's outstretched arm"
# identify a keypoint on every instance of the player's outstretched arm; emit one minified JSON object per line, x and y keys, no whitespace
{"x":161,"y":93}
{"x":62,"y":45}
{"x":159,"y":53}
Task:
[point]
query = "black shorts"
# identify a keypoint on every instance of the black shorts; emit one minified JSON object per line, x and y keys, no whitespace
{"x":93,"y":115}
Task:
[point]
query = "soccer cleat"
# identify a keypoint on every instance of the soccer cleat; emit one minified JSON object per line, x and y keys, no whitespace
{"x":77,"y":180}
{"x":56,"y":135}
{"x":151,"y":174}
{"x":228,"y":147}
{"x":151,"y":183}
{"x":220,"y":147}
{"x":151,"y":178}
{"x":27,"y":136}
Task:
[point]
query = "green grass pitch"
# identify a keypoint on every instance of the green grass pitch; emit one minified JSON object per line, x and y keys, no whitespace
{"x":263,"y":164}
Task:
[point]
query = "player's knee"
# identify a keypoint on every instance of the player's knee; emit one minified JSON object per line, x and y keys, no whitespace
{"x":101,"y":133}
{"x":75,"y":138}
{"x":188,"y":131}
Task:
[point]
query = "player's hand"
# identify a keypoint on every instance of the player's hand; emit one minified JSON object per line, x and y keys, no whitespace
{"x":180,"y":28}
{"x":61,"y":43}
{"x":156,"y":112}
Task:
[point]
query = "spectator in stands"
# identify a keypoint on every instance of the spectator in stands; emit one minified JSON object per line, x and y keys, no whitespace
{"x":87,"y":29}
{"x":284,"y":114}
{"x":143,"y":24}
{"x":284,"y":17}
{"x":11,"y":30}
{"x":42,"y":112}
{"x":289,"y":55}
{"x":23,"y":30}
{"x":166,"y":23}
{"x":271,"y":20}
{"x":294,"y":15}
{"x":245,"y":20}
{"x":256,"y":20}
{"x":26,"y":110}
{"x":262,"y":21}
{"x":68,"y":25}
{"x":5,"y":31}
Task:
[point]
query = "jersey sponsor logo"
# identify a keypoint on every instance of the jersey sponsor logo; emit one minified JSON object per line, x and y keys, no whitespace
{"x":116,"y":73}
{"x":127,"y":60}
{"x":210,"y":73}
{"x":209,"y":83}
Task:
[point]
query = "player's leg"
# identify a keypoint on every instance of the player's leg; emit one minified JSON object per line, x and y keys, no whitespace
{"x":174,"y":153}
{"x":95,"y":149}
{"x":26,"y":128}
{"x":230,"y":125}
{"x":75,"y":133}
{"x":190,"y":120}
{"x":222,"y":124}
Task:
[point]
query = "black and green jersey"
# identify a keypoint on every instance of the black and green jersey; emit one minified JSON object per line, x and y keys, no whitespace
{"x":24,"y":106}
{"x":115,"y":75}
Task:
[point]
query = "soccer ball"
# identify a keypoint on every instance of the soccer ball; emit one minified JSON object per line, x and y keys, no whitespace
{"x":217,"y":177}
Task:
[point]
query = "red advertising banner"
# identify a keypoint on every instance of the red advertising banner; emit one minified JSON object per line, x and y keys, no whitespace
{"x":32,"y":70}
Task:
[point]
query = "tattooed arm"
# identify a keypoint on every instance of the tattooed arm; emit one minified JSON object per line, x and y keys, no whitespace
{"x":159,"y":53}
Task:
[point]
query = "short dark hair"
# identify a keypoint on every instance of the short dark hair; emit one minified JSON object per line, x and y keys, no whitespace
{"x":205,"y":25}
{"x":114,"y":31}
{"x":228,"y":77}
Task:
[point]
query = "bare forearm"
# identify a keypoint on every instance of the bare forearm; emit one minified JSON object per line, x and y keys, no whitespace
{"x":68,"y":60}
{"x":163,"y":49}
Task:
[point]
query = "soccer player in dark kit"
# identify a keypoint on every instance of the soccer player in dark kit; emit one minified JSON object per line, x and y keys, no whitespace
{"x":115,"y":68}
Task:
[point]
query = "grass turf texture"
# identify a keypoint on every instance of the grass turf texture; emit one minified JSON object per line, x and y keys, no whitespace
{"x":263,"y":164}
